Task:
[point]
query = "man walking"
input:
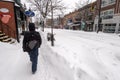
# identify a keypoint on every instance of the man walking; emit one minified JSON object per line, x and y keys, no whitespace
{"x":31,"y":42}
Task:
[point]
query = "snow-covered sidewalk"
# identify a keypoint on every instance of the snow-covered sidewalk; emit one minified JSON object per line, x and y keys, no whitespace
{"x":15,"y":64}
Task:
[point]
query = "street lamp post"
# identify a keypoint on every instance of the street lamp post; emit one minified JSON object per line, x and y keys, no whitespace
{"x":52,"y":35}
{"x":99,"y":19}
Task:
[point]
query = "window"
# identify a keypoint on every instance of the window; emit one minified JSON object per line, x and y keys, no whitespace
{"x":111,"y":1}
{"x":108,"y":17}
{"x":108,"y":14}
{"x":105,"y":13}
{"x":107,"y":2}
{"x":69,"y":21}
{"x":103,"y":3}
{"x":111,"y":12}
{"x":113,"y":24}
{"x":110,"y":27}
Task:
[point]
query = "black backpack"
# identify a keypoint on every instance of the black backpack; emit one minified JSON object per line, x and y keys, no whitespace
{"x":32,"y":42}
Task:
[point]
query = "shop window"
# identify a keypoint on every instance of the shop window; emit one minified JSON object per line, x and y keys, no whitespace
{"x":113,"y":24}
{"x":109,"y":24}
{"x":110,"y":28}
{"x":105,"y":24}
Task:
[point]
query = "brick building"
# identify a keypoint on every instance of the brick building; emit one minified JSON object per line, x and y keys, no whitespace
{"x":87,"y":15}
{"x":84,"y":15}
{"x":70,"y":18}
{"x":14,"y":16}
{"x":110,"y":14}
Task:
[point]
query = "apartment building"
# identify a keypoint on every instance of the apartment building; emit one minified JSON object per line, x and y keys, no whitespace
{"x":110,"y":15}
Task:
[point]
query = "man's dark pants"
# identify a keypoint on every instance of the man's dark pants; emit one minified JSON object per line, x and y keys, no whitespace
{"x":34,"y":59}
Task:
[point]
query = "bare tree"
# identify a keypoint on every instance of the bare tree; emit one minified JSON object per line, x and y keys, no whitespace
{"x":44,"y":7}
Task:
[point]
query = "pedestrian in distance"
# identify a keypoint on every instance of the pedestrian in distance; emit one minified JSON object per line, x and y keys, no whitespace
{"x":31,"y":44}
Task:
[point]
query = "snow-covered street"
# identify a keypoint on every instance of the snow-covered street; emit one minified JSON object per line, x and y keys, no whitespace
{"x":77,"y":55}
{"x":92,"y":56}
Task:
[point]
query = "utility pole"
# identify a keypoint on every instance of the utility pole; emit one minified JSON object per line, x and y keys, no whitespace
{"x":52,"y":35}
{"x":99,"y":19}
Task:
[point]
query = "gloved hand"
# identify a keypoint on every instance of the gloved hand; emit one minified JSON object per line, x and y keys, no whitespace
{"x":24,"y":50}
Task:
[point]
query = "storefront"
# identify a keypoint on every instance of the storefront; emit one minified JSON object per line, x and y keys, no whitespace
{"x":7,"y":19}
{"x":111,"y":25}
{"x":11,"y":19}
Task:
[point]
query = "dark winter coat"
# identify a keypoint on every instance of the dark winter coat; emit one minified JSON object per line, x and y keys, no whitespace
{"x":27,"y":37}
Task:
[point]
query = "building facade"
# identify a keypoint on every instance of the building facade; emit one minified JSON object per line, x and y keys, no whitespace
{"x":110,"y":15}
{"x":81,"y":19}
{"x":71,"y":18}
{"x":12,"y":18}
{"x":87,"y":15}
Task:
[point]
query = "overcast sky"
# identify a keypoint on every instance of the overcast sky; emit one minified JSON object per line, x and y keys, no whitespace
{"x":70,"y":4}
